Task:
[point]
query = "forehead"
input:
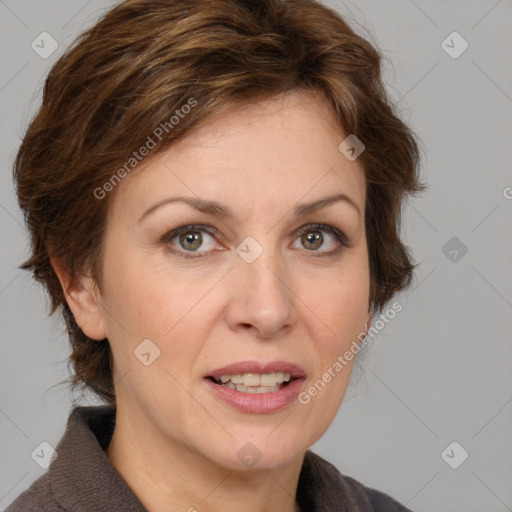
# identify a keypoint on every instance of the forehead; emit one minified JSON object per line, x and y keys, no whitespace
{"x":258,"y":156}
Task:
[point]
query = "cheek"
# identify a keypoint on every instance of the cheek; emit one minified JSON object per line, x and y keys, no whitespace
{"x":342,"y":299}
{"x":147,"y":300}
{"x":342,"y":308}
{"x":339,"y":309}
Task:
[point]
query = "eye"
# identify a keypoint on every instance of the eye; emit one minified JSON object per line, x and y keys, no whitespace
{"x":312,"y":238}
{"x":189,"y":239}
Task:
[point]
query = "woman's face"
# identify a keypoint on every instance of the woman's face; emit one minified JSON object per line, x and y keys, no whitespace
{"x":252,"y":281}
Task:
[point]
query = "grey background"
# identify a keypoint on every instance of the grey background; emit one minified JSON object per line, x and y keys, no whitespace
{"x":441,"y":370}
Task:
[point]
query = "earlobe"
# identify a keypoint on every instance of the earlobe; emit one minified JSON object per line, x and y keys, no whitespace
{"x":82,"y":298}
{"x":369,"y":322}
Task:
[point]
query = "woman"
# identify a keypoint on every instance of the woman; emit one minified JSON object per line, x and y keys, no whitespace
{"x":213,"y":192}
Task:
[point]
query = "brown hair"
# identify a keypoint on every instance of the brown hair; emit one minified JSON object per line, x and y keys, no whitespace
{"x":138,"y":66}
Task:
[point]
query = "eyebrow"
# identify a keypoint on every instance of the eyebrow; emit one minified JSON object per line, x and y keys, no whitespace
{"x":217,"y":209}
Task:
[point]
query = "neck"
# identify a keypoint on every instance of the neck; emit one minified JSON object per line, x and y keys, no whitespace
{"x":167,"y":475}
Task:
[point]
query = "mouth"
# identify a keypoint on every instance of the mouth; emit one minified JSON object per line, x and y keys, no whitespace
{"x":257,"y":388}
{"x":254,"y":383}
{"x":253,"y":377}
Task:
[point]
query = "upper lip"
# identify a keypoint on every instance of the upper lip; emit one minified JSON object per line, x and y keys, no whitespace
{"x":242,"y":367}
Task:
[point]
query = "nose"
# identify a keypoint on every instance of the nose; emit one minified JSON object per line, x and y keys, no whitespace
{"x":261,"y":299}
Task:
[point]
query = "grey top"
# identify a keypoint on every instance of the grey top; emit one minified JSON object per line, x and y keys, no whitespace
{"x":82,"y":478}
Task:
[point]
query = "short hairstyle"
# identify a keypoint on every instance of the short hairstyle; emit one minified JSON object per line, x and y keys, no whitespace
{"x":129,"y":78}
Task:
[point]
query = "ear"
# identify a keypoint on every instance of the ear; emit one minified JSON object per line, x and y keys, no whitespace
{"x":83,"y":299}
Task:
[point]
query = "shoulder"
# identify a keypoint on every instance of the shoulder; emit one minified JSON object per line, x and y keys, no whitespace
{"x":321,"y":482}
{"x":379,"y":501}
{"x":78,"y":440}
{"x":39,"y":496}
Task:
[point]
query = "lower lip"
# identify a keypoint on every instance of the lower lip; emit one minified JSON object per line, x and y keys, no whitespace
{"x":258,"y":403}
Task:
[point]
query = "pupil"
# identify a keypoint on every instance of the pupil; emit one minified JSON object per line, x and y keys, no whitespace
{"x":191,"y":240}
{"x":313,"y":239}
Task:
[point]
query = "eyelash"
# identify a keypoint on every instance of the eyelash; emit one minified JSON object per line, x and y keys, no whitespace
{"x":339,"y":235}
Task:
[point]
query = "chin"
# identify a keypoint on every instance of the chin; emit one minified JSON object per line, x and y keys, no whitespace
{"x":259,"y":449}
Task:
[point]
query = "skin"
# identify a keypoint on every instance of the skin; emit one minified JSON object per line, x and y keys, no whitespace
{"x":175,"y":443}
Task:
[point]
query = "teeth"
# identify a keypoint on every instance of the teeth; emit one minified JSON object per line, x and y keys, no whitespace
{"x":269,"y":379}
{"x":251,"y":382}
{"x":236,"y":379}
{"x":251,"y":379}
{"x":281,"y":377}
{"x":255,"y":390}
